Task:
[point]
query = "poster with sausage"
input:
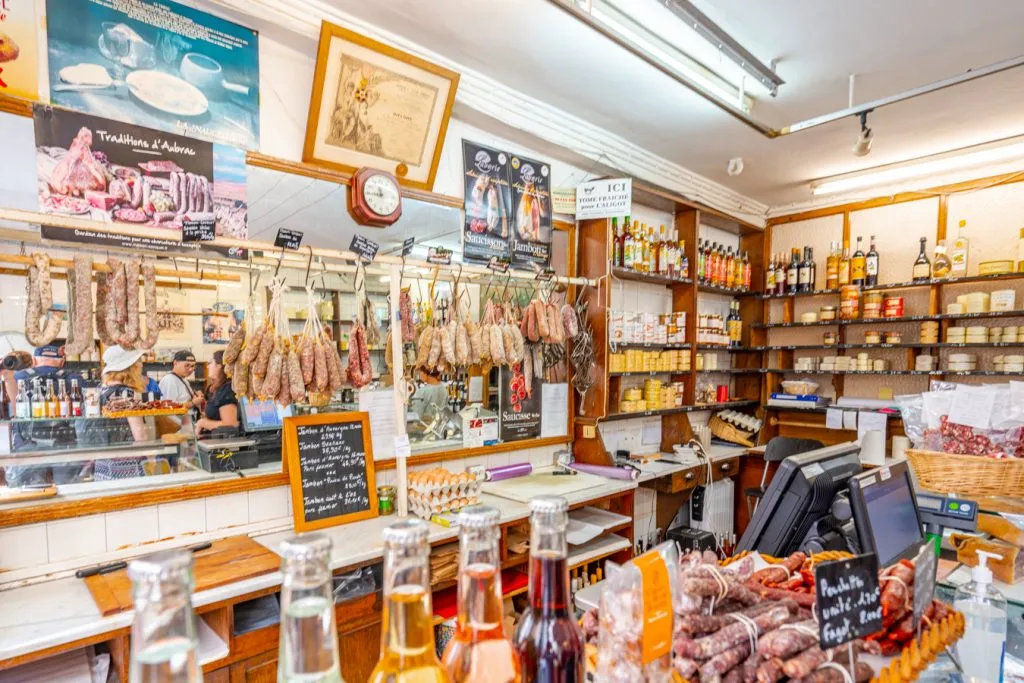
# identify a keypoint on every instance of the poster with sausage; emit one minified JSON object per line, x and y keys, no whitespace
{"x":531,"y":217}
{"x":156,"y":63}
{"x":115,"y":172}
{"x":488,"y":203}
{"x":519,"y":403}
{"x":19,"y":60}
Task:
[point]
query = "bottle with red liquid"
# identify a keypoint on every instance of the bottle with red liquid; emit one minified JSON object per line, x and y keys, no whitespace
{"x":480,"y":652}
{"x":548,"y":640}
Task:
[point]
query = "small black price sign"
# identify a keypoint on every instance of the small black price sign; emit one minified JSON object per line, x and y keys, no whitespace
{"x":365,"y":249}
{"x":499,"y":264}
{"x":924,"y":579}
{"x":439,"y":256}
{"x":288,"y":239}
{"x":546,"y":274}
{"x":407,"y":246}
{"x":848,"y":599}
{"x":198,"y":231}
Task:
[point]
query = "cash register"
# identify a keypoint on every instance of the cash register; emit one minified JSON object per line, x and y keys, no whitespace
{"x":825,"y":500}
{"x":262,"y":422}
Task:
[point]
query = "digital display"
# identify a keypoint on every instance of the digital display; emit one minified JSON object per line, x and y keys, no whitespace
{"x":893,"y":519}
{"x":258,"y":416}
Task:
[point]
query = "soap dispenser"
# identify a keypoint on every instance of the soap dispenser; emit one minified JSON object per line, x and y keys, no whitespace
{"x":984,"y":609}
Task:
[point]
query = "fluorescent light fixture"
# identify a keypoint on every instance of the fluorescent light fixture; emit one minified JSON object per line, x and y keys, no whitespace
{"x":651,"y":28}
{"x":924,"y":168}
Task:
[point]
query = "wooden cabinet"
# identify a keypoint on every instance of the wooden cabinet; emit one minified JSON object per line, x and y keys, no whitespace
{"x":218,"y":676}
{"x":359,"y":650}
{"x":259,"y":669}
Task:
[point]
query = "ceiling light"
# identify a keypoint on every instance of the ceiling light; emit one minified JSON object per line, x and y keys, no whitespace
{"x":655,"y":30}
{"x":735,"y":166}
{"x":925,"y":169}
{"x":862,"y":147}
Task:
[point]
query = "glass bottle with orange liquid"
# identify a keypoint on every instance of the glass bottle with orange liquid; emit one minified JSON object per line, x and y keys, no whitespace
{"x":480,"y":652}
{"x":547,"y":639}
{"x":407,"y":632}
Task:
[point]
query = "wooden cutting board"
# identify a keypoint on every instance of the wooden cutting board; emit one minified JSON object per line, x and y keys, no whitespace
{"x":232,"y":559}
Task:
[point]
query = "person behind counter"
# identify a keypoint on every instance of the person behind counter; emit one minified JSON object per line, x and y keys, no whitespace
{"x":174,"y":386}
{"x":221,"y":403}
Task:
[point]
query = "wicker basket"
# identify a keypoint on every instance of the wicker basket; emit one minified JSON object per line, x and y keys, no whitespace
{"x":967,"y":475}
{"x":728,"y":432}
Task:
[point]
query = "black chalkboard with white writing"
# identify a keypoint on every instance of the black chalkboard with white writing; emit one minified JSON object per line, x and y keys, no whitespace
{"x":330,"y":468}
{"x":848,"y":599}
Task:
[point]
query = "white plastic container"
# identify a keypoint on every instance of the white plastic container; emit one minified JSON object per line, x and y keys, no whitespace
{"x":984,"y":609}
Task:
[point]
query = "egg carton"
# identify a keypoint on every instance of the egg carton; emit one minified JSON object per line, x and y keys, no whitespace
{"x":426,"y":510}
{"x":745,"y":422}
{"x":438,"y":479}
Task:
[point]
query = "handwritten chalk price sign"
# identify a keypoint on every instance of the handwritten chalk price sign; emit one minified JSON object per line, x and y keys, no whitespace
{"x":924,"y":580}
{"x":848,"y":599}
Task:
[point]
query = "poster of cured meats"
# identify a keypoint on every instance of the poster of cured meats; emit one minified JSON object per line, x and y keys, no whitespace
{"x":158,"y":64}
{"x":19,"y":59}
{"x":519,"y":403}
{"x":531,"y":212}
{"x":114,"y":172}
{"x":488,"y":203}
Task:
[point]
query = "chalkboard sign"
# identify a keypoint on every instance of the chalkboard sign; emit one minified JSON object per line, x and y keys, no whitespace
{"x":364,"y":248}
{"x":201,"y":230}
{"x":288,"y":238}
{"x":924,"y":579}
{"x":329,"y":459}
{"x":848,"y":599}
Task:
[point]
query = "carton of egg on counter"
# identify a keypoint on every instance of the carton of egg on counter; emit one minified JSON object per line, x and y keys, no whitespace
{"x":435,"y":491}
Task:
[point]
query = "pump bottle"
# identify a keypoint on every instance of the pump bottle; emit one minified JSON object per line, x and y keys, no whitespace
{"x":984,"y":609}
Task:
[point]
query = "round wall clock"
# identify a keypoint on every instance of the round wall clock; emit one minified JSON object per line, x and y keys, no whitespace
{"x":376,"y":198}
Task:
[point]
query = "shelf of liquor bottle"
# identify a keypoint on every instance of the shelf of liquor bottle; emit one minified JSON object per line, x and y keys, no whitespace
{"x":731,"y":371}
{"x":615,"y":346}
{"x":620,"y":273}
{"x":708,"y":288}
{"x":907,"y":284}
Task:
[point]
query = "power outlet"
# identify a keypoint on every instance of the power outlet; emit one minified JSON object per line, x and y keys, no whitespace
{"x":589,"y":431}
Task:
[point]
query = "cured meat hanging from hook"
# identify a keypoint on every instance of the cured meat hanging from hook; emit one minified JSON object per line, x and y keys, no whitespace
{"x":405,"y":313}
{"x":334,"y":370}
{"x":130,"y":334}
{"x":321,"y":368}
{"x":152,"y":313}
{"x":474,"y":336}
{"x":296,"y":386}
{"x":423,"y":346}
{"x":40,"y":301}
{"x":569,"y":321}
{"x":80,"y":331}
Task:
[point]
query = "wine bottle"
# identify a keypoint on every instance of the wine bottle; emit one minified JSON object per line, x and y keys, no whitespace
{"x":769,"y":277}
{"x":871,"y":265}
{"x":793,"y":272}
{"x":858,"y":265}
{"x":616,"y":243}
{"x":922,"y":266}
{"x":803,"y":278}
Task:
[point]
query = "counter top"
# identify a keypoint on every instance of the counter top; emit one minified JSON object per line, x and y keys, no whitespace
{"x":657,"y":468}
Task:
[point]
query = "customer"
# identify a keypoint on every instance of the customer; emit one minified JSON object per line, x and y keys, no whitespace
{"x":47,"y":363}
{"x":221,"y":403}
{"x":174,"y":386}
{"x":122,"y":376}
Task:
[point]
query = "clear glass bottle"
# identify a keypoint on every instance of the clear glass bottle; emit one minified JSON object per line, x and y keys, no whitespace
{"x":63,"y":400}
{"x":480,"y":651}
{"x":844,"y":265}
{"x":52,"y":405}
{"x":628,"y":245}
{"x":547,"y":639}
{"x":407,"y":634}
{"x":308,"y":647}
{"x":36,"y":400}
{"x":832,"y":267}
{"x":616,"y":243}
{"x":164,"y":640}
{"x":22,"y":406}
{"x":941,"y":263}
{"x":769,"y":277}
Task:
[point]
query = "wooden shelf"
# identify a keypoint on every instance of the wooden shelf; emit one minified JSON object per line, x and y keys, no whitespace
{"x":715,"y":289}
{"x":612,"y":417}
{"x":649,"y":347}
{"x":647,"y":373}
{"x":732,"y":371}
{"x":854,"y":372}
{"x":730,"y":349}
{"x":974,"y":316}
{"x":627,"y":274}
{"x":908,"y":284}
{"x":855,"y":321}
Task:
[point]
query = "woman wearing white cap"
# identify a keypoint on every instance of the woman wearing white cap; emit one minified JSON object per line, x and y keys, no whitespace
{"x":122,"y":376}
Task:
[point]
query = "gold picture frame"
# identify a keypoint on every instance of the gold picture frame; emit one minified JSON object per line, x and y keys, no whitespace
{"x":360,"y":88}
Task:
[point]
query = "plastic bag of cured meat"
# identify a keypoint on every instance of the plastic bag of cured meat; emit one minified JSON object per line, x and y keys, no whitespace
{"x":962,"y":419}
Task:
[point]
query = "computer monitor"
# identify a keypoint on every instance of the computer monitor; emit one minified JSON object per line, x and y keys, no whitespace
{"x":885,"y":513}
{"x":262,"y":415}
{"x":800,"y":494}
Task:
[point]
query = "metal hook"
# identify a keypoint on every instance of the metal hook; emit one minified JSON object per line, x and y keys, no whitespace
{"x":279,"y":260}
{"x":309,"y":264}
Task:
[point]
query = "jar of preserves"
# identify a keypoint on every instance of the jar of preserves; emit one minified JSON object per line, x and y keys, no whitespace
{"x":849,"y":302}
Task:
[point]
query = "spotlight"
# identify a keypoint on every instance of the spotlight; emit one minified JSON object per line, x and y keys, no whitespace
{"x":862,"y":147}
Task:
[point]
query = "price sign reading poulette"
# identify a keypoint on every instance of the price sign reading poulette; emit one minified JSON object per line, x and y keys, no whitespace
{"x":848,"y":600}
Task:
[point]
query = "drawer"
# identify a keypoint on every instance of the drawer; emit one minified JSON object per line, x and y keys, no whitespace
{"x":677,"y":482}
{"x":721,"y":469}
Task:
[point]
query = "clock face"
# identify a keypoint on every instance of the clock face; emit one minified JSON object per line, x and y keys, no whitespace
{"x":382,"y":195}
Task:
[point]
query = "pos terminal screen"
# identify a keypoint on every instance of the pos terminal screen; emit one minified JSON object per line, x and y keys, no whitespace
{"x":892,"y":514}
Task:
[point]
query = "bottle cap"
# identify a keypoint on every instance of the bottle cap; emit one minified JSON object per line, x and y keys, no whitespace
{"x":478,"y":516}
{"x":161,"y":565}
{"x":548,"y":504}
{"x":305,"y":547}
{"x":407,"y":532}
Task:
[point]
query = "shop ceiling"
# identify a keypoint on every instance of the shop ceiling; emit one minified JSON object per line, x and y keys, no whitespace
{"x":535,"y":47}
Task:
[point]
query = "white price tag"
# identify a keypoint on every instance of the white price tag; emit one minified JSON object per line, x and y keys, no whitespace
{"x":402,"y":449}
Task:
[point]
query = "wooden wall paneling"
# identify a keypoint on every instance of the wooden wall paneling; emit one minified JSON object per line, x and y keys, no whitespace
{"x":588,"y":446}
{"x":594,"y":239}
{"x":675,"y":429}
{"x":943,"y":222}
{"x":684,"y":297}
{"x":222,"y":675}
{"x":259,"y":669}
{"x":359,"y":650}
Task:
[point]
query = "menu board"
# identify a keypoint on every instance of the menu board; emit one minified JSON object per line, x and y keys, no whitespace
{"x":329,"y":459}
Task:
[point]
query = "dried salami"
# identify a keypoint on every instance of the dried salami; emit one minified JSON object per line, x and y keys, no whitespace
{"x":152,"y":313}
{"x":307,"y":360}
{"x":335,"y":380}
{"x":80,"y":332}
{"x":272,"y":379}
{"x":321,"y":371}
{"x":234,"y":347}
{"x":266,"y":349}
{"x":130,"y":336}
{"x":296,"y":387}
{"x":240,"y":379}
{"x":461,"y":345}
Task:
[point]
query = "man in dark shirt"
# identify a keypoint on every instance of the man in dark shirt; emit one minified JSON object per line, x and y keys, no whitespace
{"x":48,"y":363}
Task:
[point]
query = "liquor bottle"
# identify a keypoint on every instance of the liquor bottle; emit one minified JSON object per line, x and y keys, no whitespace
{"x":720,"y":266}
{"x":63,"y":400}
{"x":729,"y":276}
{"x":858,"y":265}
{"x":616,"y":243}
{"x":961,"y":250}
{"x":407,"y":632}
{"x":76,"y":399}
{"x":813,"y":275}
{"x":803,"y":277}
{"x":652,"y":247}
{"x":8,"y":408}
{"x":683,"y":260}
{"x":164,"y":639}
{"x":662,"y":252}
{"x":548,"y":640}
{"x":941,"y":263}
{"x":52,"y":406}
{"x":871,"y":265}
{"x":734,"y":324}
{"x":22,"y":403}
{"x":792,"y":272}
{"x":627,"y":245}
{"x":832,"y":267}
{"x":36,"y":400}
{"x":707,"y":261}
{"x":308,"y":647}
{"x":480,"y":652}
{"x":922,"y":266}
{"x":748,"y":272}
{"x":711,"y":267}
{"x":700,"y":260}
{"x":769,"y":276}
{"x":844,"y":265}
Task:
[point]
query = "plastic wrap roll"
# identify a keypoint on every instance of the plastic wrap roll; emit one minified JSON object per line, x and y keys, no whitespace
{"x":508,"y":471}
{"x":606,"y":471}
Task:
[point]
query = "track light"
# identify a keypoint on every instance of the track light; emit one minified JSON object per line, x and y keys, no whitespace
{"x":862,"y":147}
